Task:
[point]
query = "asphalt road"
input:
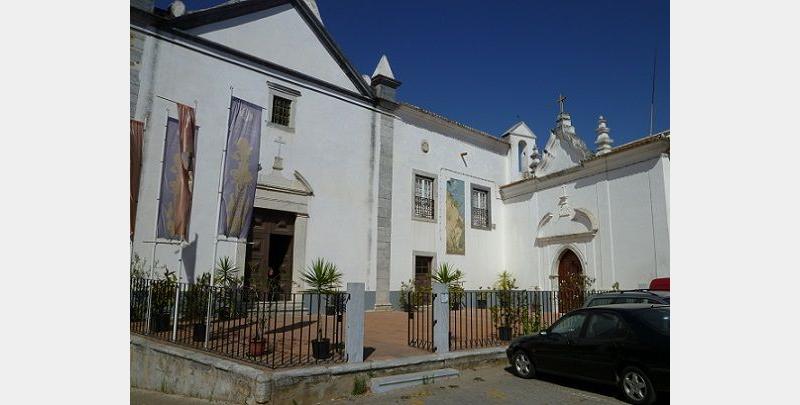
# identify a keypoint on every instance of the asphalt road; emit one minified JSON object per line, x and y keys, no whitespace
{"x":493,"y":385}
{"x":485,"y":386}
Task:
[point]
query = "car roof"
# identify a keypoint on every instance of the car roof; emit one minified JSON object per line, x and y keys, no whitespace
{"x":628,"y":293}
{"x":629,"y":307}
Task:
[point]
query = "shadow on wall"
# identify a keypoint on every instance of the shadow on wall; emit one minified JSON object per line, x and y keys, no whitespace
{"x":189,"y":257}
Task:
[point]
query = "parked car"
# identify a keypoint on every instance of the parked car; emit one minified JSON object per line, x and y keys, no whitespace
{"x":628,"y":297}
{"x":626,"y":345}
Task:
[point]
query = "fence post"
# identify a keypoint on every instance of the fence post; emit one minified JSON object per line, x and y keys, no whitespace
{"x":175,"y":317}
{"x":208,"y":317}
{"x":441,"y":317}
{"x":354,"y":335}
{"x":149,"y":284}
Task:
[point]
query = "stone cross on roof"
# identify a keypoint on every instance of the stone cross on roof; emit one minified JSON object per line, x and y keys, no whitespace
{"x":561,"y":100}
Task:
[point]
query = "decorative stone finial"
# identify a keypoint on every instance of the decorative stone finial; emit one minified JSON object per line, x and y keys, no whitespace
{"x":535,"y":158}
{"x":603,"y":141}
{"x":383,"y":68}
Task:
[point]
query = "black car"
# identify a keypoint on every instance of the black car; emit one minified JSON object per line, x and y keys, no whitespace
{"x":628,"y":297}
{"x":626,"y":345}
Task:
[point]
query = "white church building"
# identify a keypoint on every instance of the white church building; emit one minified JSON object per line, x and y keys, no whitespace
{"x":384,"y":189}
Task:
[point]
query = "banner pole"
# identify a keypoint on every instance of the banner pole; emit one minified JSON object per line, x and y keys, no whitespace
{"x":216,"y":228}
{"x":155,"y":228}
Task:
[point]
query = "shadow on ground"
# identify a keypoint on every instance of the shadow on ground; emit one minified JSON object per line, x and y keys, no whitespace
{"x":607,"y":390}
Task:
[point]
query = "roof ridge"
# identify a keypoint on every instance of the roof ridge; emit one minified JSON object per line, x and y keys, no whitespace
{"x":454,"y":122}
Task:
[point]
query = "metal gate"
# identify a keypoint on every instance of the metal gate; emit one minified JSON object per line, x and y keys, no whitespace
{"x":419,"y":306}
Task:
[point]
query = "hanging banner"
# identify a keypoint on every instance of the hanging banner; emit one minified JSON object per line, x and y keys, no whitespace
{"x":454,"y":211}
{"x":241,"y":169}
{"x":137,"y":134}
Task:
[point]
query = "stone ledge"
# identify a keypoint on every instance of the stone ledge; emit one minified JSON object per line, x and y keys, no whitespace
{"x":236,"y":381}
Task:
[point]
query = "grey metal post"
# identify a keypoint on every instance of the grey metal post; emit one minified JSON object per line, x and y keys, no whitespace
{"x":441,"y":317}
{"x":354,"y":334}
{"x":175,"y":316}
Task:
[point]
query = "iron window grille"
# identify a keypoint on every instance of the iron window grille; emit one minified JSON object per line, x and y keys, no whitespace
{"x":423,"y":197}
{"x":281,"y":110}
{"x":480,"y":208}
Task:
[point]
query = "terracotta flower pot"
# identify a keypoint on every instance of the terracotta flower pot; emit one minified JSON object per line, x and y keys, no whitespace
{"x":257,"y":347}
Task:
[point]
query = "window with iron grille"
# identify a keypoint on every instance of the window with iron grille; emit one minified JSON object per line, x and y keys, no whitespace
{"x":480,"y":208}
{"x":281,"y":110}
{"x":423,"y":197}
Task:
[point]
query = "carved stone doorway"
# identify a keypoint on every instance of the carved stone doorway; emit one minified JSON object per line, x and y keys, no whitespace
{"x":570,"y":282}
{"x":270,"y":244}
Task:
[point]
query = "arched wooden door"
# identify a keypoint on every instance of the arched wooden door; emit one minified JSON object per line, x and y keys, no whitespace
{"x":570,"y":282}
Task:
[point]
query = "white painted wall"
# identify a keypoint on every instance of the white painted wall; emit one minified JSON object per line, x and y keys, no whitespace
{"x":631,"y":245}
{"x":483,"y":257}
{"x":335,"y":155}
{"x":278,"y":35}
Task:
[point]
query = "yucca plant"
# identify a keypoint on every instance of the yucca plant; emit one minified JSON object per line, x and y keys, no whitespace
{"x":226,"y":274}
{"x":322,"y":276}
{"x":449,"y":274}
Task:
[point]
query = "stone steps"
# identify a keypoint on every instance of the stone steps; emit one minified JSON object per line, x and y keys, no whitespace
{"x":392,"y":382}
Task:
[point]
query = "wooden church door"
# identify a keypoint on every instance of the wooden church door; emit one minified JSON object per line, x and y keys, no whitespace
{"x":570,"y":282}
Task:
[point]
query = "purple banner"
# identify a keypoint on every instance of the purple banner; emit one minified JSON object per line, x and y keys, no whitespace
{"x":241,"y":169}
{"x":169,"y":216}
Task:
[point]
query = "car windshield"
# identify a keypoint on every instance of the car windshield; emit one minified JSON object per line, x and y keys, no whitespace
{"x":656,"y":318}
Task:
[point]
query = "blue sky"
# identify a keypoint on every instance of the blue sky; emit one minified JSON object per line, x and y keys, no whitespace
{"x":488,"y":64}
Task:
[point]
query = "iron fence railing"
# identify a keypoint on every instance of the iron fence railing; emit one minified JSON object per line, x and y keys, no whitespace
{"x":268,"y":328}
{"x":419,"y":306}
{"x":484,"y":318}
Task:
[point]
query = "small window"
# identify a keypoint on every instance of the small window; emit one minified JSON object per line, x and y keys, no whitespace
{"x":480,"y":208}
{"x":423,"y":197}
{"x":281,"y":111}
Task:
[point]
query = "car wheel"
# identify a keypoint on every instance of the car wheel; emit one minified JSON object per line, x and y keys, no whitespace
{"x":523,"y":365}
{"x":636,"y":387}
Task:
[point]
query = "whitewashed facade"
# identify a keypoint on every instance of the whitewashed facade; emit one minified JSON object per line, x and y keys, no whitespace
{"x":344,"y":167}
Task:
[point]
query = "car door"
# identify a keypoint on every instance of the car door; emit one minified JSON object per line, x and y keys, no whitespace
{"x":599,"y":346}
{"x":554,"y":349}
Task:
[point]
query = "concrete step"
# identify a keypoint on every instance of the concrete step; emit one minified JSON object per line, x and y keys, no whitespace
{"x":392,"y":382}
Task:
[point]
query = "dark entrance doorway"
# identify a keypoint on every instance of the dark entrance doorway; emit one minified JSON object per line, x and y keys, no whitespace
{"x":570,"y":282}
{"x":422,"y":275}
{"x":269,"y":251}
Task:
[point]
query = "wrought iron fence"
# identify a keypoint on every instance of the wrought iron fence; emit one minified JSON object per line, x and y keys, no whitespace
{"x":419,"y":306}
{"x":484,"y":318}
{"x":264,"y":327}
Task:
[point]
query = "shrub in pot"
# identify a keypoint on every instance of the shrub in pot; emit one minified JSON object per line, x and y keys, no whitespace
{"x":324,"y":279}
{"x":511,"y":306}
{"x":162,"y":302}
{"x":449,"y":274}
{"x":197,"y":306}
{"x":321,"y":347}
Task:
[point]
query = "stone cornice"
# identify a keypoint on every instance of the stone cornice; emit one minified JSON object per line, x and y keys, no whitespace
{"x":634,"y":152}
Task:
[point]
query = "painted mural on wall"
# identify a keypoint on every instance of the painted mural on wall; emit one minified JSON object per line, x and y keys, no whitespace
{"x":454,"y":210}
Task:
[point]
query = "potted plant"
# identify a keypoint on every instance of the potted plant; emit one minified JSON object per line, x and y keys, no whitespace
{"x":321,"y":347}
{"x":226,"y":275}
{"x":509,"y":310}
{"x":406,"y":289}
{"x":324,"y":278}
{"x":258,"y":343}
{"x":197,"y":306}
{"x":448,"y":274}
{"x":481,"y":298}
{"x":162,"y":301}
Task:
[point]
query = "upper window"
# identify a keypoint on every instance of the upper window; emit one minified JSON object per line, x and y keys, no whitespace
{"x":480,"y":208}
{"x":281,"y":111}
{"x":522,"y":160}
{"x":423,"y":197}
